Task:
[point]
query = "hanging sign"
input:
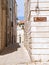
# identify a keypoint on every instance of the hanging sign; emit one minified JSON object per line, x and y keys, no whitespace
{"x":40,"y":19}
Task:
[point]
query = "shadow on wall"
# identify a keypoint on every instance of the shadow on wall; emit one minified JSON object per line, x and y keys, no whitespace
{"x":11,"y":48}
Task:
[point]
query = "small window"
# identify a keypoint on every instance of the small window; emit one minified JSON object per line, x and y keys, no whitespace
{"x":10,"y":9}
{"x":12,"y":24}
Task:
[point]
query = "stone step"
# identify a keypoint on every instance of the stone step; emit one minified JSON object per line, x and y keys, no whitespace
{"x":35,"y":63}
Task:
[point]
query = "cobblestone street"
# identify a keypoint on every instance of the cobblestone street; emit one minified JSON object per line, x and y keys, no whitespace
{"x":19,"y":56}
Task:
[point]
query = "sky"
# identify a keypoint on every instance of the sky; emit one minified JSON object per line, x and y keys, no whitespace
{"x":20,"y":9}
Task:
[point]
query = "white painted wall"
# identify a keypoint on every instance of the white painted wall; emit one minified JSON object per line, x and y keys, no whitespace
{"x":38,"y":33}
{"x":20,"y":32}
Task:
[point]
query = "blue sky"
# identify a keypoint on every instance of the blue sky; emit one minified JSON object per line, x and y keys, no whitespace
{"x":20,"y":9}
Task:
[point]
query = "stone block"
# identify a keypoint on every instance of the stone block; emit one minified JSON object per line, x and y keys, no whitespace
{"x":22,"y":64}
{"x":31,"y":63}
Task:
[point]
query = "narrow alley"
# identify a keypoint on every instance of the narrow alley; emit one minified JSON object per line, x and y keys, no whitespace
{"x":13,"y":56}
{"x":24,"y":32}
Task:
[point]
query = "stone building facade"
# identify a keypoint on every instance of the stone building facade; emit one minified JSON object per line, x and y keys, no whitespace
{"x":37,"y":30}
{"x":2,"y":24}
{"x":14,"y":21}
{"x":20,"y":32}
{"x":7,"y":22}
{"x":11,"y":21}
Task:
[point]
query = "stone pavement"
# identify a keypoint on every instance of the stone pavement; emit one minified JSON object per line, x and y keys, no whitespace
{"x":15,"y":57}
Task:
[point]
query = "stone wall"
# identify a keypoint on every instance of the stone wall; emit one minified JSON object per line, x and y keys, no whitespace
{"x":7,"y":23}
{"x":2,"y":24}
{"x":37,"y":33}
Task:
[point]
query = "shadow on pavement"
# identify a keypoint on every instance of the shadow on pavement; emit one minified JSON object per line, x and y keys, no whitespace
{"x":11,"y":48}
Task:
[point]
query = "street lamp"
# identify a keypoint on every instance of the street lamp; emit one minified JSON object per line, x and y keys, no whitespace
{"x":37,"y":8}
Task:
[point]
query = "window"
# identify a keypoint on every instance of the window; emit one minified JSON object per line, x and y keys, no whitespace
{"x":12,"y":24}
{"x":10,"y":9}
